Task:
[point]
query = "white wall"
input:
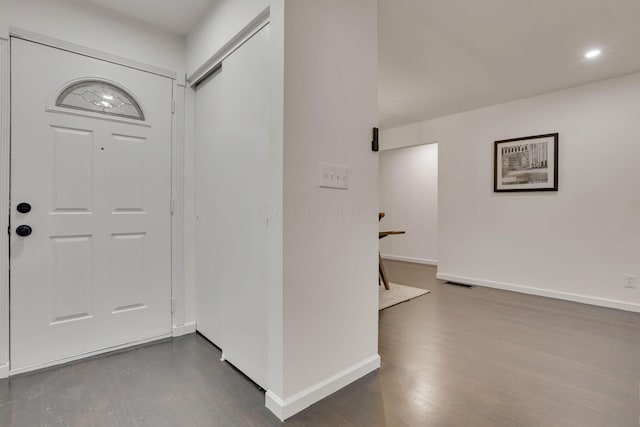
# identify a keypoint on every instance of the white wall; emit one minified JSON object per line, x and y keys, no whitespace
{"x":408,"y":190}
{"x":575,"y":244}
{"x":330,"y":236}
{"x":85,"y":24}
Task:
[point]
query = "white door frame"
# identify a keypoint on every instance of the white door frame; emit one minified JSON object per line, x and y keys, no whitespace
{"x":177,"y":176}
{"x":5,"y":90}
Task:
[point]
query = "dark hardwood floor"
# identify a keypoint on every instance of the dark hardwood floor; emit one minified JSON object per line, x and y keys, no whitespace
{"x":455,"y":357}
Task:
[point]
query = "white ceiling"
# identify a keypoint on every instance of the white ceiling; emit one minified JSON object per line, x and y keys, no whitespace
{"x":439,"y":57}
{"x":176,"y":16}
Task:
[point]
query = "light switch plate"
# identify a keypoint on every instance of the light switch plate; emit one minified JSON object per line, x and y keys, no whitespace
{"x":630,"y":281}
{"x":334,"y":176}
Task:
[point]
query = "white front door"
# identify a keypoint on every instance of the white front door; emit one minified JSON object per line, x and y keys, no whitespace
{"x":91,"y":156}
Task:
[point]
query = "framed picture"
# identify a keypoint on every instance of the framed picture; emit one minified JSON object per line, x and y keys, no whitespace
{"x":526,"y":164}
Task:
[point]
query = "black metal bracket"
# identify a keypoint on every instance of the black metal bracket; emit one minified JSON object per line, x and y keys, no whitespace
{"x":374,"y":144}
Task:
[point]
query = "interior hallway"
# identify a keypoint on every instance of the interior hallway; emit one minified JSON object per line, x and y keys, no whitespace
{"x":455,"y":357}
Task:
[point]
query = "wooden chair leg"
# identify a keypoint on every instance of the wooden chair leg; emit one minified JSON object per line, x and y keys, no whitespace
{"x":383,"y":274}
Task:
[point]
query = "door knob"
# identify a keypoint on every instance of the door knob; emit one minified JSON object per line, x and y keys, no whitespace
{"x":23,"y":230}
{"x":24,"y":208}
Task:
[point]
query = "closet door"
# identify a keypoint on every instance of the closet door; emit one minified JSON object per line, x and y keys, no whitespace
{"x":232,"y":131}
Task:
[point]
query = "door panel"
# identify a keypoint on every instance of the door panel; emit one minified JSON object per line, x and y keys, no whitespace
{"x":72,"y":165}
{"x":72,"y":278}
{"x":232,"y":114}
{"x":127,"y":268}
{"x":127,"y":171}
{"x":96,"y":271}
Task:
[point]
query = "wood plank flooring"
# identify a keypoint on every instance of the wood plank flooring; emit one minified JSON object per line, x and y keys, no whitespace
{"x":454,"y":357}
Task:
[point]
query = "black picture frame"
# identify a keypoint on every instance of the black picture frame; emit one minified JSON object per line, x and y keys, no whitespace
{"x":529,"y":163}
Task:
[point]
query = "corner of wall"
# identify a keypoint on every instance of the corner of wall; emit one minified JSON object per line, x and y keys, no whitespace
{"x":186,"y":329}
{"x":275,"y":201}
{"x":401,"y":136}
{"x":286,"y":408}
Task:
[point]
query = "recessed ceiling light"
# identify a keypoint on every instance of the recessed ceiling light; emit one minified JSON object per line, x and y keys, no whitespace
{"x":592,"y":53}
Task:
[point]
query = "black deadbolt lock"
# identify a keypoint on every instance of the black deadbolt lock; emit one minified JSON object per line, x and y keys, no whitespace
{"x":23,"y":230}
{"x":24,"y":208}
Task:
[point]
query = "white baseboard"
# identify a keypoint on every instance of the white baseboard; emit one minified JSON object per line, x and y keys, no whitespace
{"x":567,"y":296}
{"x":409,"y":259}
{"x":286,"y":408}
{"x":4,"y":371}
{"x":187,"y":328}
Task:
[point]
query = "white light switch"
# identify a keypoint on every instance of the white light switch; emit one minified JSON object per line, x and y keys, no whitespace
{"x":334,"y":176}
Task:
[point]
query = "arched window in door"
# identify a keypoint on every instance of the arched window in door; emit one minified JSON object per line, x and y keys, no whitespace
{"x":100,"y":97}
